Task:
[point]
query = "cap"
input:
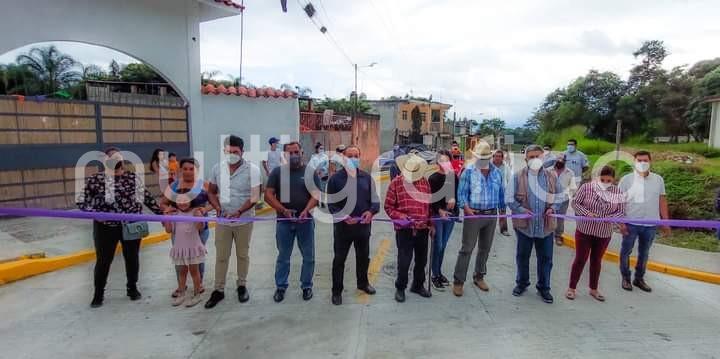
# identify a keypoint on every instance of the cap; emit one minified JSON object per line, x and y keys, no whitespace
{"x":273,"y":140}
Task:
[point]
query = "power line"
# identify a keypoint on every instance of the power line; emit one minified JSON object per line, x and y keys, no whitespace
{"x":323,"y":29}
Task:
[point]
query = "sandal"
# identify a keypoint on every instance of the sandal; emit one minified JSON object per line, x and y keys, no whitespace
{"x":570,"y":294}
{"x":176,"y":293}
{"x":599,"y":297}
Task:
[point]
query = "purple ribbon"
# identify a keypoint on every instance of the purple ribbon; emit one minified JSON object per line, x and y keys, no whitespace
{"x":682,"y":223}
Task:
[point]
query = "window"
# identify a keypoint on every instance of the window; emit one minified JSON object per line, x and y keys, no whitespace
{"x":422,"y":116}
{"x":435,"y":115}
{"x":404,"y":115}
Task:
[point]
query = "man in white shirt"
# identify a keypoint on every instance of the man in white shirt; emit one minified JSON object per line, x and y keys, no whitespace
{"x":274,"y":156}
{"x":566,"y":178}
{"x":498,"y":161}
{"x":645,"y":199}
{"x":233,"y":190}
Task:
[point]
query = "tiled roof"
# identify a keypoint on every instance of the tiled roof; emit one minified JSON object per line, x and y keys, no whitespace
{"x":231,"y":4}
{"x":210,"y":89}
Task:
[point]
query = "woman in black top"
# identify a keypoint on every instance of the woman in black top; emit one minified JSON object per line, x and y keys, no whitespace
{"x":107,"y":234}
{"x":443,"y":185}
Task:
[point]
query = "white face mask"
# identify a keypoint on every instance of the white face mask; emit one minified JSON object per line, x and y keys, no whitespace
{"x":535,"y":164}
{"x":232,"y":158}
{"x":604,"y":186}
{"x":483,"y":164}
{"x":642,"y":166}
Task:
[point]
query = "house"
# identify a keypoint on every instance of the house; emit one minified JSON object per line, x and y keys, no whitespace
{"x":412,"y":121}
{"x":714,"y":140}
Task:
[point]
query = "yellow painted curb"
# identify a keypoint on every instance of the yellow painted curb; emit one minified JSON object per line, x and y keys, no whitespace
{"x":614,"y":257}
{"x":28,"y":267}
{"x":374,"y":268}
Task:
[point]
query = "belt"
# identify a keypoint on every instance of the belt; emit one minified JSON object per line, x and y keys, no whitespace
{"x":485,"y":211}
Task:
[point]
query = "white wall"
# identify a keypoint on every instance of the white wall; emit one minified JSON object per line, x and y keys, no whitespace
{"x":255,"y":120}
{"x":715,"y":125}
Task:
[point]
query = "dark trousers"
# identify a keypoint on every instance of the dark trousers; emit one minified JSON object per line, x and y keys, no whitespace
{"x":587,"y":246}
{"x":409,"y":242}
{"x":544,"y":252}
{"x":106,"y":239}
{"x":346,"y":235}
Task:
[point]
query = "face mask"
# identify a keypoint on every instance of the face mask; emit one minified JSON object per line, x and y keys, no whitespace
{"x":295,"y":161}
{"x":535,"y":164}
{"x":559,"y":165}
{"x":321,"y":151}
{"x":232,"y":158}
{"x":483,"y":164}
{"x":642,"y":166}
{"x":571,"y":148}
{"x":353,"y":163}
{"x":604,"y":186}
{"x":396,"y":148}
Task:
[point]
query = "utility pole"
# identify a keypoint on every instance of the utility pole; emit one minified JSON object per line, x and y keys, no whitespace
{"x":356,"y":95}
{"x":618,"y":135}
{"x":242,"y":31}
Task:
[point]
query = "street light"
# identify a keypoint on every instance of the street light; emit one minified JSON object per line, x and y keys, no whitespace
{"x":356,"y":89}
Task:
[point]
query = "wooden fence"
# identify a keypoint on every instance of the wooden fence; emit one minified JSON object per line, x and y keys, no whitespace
{"x":41,"y":141}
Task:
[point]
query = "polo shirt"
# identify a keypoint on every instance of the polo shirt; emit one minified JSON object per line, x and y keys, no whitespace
{"x":642,"y":195}
{"x":234,"y":188}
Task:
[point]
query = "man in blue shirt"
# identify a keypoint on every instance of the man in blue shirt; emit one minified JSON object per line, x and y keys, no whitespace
{"x":480,"y":192}
{"x":533,"y":191}
{"x":576,"y":161}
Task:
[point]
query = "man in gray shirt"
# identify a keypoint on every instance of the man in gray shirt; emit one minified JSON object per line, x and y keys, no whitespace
{"x":576,"y":161}
{"x":233,"y":191}
{"x":645,"y":199}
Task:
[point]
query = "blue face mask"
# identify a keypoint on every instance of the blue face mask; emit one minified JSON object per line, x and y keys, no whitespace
{"x":353,"y":163}
{"x":571,"y":148}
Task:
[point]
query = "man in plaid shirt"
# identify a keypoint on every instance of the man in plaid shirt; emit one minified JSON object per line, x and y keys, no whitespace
{"x":408,"y":205}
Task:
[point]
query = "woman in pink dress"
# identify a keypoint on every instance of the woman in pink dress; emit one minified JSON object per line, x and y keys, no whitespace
{"x":187,"y":251}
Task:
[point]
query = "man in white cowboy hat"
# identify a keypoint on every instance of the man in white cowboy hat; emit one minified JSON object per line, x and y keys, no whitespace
{"x":408,"y":204}
{"x":480,"y":192}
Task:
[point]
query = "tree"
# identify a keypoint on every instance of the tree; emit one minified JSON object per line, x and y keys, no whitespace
{"x":139,"y":72}
{"x":492,"y":127}
{"x":303,"y":91}
{"x":698,"y":109}
{"x":343,"y":106}
{"x":652,"y":54}
{"x":51,"y":68}
{"x":114,"y":71}
{"x":18,"y":80}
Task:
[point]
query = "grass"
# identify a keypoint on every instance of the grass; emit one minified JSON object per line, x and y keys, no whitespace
{"x":698,"y":240}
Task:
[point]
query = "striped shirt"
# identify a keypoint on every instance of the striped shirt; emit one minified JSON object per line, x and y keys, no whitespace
{"x":481,"y":192}
{"x":408,"y":199}
{"x":593,"y":201}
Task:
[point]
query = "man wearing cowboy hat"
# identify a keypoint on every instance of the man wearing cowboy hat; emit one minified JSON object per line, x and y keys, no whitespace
{"x":408,"y":204}
{"x":480,"y":192}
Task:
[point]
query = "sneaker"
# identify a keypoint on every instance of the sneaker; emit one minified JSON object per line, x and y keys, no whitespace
{"x":444,"y":280}
{"x":243,"y":294}
{"x":193,"y":300}
{"x":437,"y":284}
{"x":505,"y":233}
{"x":640,"y":283}
{"x":400,"y":295}
{"x":421,"y":291}
{"x":627,"y":285}
{"x":179,"y":300}
{"x":458,"y":289}
{"x":546,"y":296}
{"x":279,"y":295}
{"x":518,"y":291}
{"x":215,"y":298}
{"x":133,"y":293}
{"x":307,"y":294}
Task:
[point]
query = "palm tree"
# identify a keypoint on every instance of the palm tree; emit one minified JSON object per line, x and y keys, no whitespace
{"x":52,"y":68}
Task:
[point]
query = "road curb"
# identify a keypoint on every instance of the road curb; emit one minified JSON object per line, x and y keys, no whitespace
{"x":614,"y":257}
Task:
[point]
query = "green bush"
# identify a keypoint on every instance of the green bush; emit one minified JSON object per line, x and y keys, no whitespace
{"x":588,"y":146}
{"x":690,"y":190}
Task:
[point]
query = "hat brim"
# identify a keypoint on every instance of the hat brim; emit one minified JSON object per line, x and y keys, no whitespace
{"x":482,"y":157}
{"x":423,"y":171}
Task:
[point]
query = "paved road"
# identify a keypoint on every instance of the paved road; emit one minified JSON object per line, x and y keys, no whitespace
{"x":49,"y":315}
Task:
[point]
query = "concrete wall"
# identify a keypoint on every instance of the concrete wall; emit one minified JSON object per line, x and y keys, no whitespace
{"x":255,"y":120}
{"x":388,"y":113}
{"x":366,"y":135}
{"x":714,"y":140}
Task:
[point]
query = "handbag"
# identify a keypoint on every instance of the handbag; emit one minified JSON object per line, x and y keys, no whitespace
{"x":133,"y":231}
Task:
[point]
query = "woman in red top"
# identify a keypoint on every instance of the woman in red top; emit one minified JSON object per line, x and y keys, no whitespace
{"x":407,"y":203}
{"x":599,"y":198}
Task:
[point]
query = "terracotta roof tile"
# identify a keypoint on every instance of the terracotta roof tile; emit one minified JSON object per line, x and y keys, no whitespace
{"x":231,"y":4}
{"x":267,"y":92}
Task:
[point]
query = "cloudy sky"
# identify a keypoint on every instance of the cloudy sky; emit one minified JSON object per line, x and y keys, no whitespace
{"x":495,"y":58}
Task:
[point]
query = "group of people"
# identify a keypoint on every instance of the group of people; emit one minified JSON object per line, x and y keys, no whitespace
{"x":423,"y":201}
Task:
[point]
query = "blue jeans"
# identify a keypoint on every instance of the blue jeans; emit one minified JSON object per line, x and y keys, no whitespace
{"x":544,"y":253}
{"x":204,"y":235}
{"x":285,"y":238}
{"x":443,"y":229}
{"x":645,"y":236}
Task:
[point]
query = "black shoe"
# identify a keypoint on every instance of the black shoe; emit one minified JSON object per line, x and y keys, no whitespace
{"x":336,"y":299}
{"x":437,"y":284}
{"x":518,"y":291}
{"x":243,"y":294}
{"x":133,"y":293}
{"x":444,"y":280}
{"x":368,"y":289}
{"x":279,"y":295}
{"x":97,"y":300}
{"x":215,"y":298}
{"x":546,"y":296}
{"x":307,"y":294}
{"x":421,"y":291}
{"x":400,"y":295}
{"x":640,"y":283}
{"x":626,"y":285}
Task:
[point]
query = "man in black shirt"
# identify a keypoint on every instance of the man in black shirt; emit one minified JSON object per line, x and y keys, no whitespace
{"x":353,"y":201}
{"x":293,"y":198}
